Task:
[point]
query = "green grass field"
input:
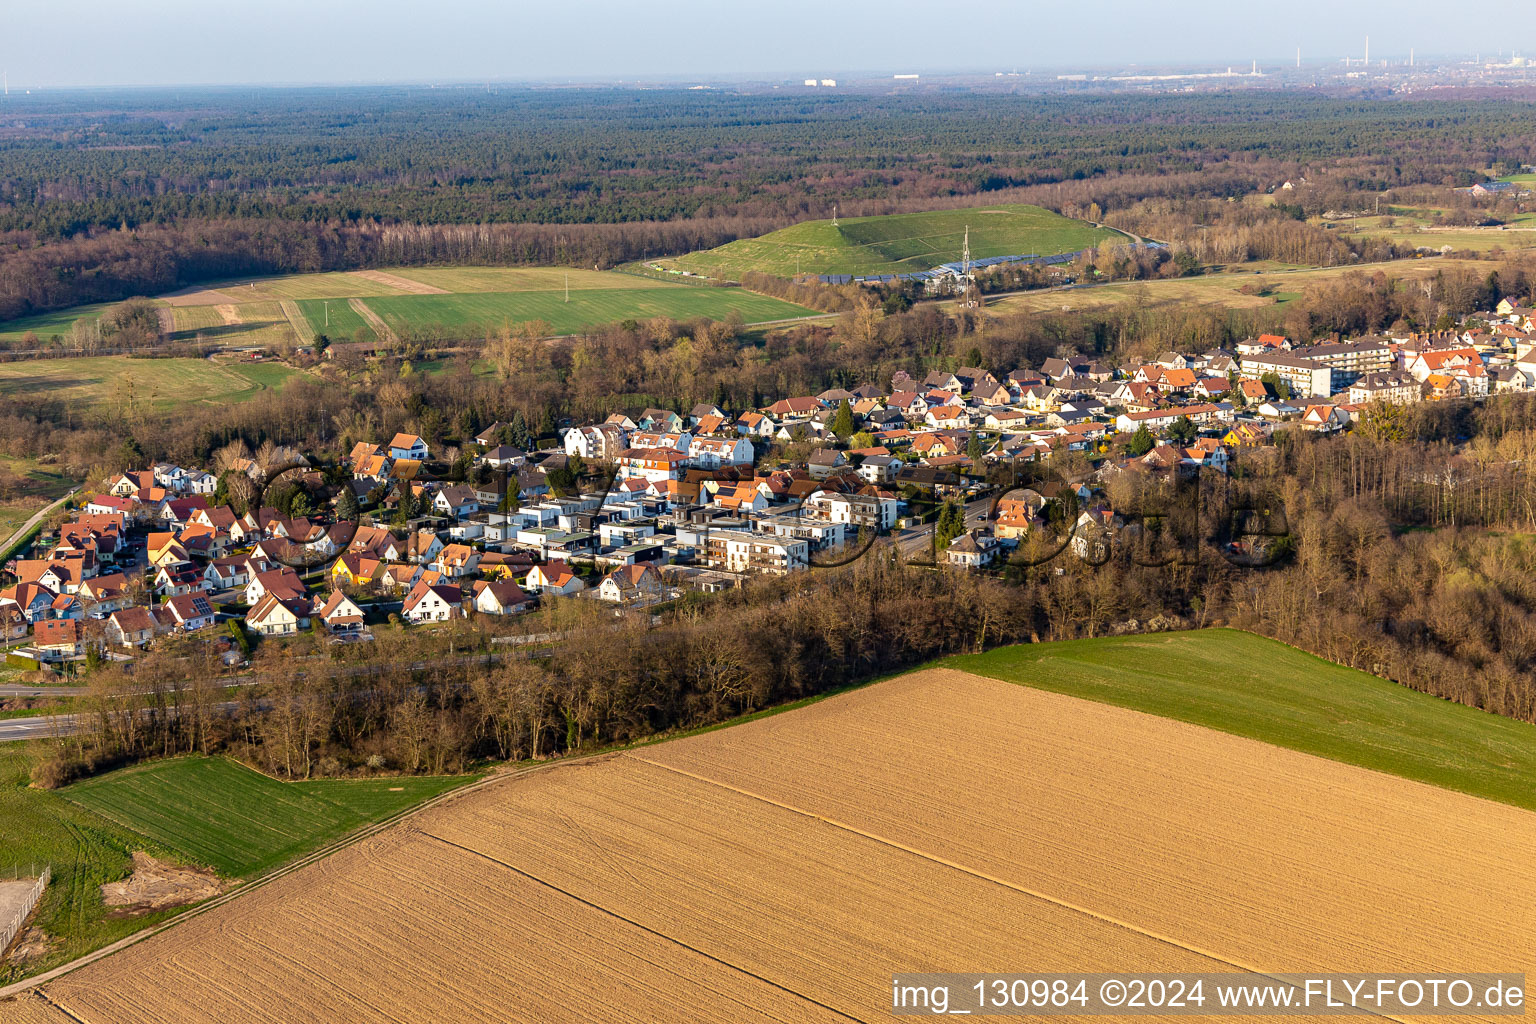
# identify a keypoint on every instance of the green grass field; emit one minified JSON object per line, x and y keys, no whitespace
{"x":520,"y":279}
{"x":237,"y":821}
{"x":108,"y":381}
{"x":84,"y":849}
{"x":46,"y":325}
{"x":41,"y":485}
{"x":1249,"y":686}
{"x":344,"y":321}
{"x":473,"y":300}
{"x":473,"y":313}
{"x":897,"y":244}
{"x":207,"y":811}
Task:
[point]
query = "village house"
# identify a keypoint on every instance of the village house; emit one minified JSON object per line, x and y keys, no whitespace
{"x":58,"y":640}
{"x":13,"y":623}
{"x":34,"y":600}
{"x":636,"y":584}
{"x":754,"y":424}
{"x":278,"y":616}
{"x":823,"y":462}
{"x":500,"y":597}
{"x":432,"y":603}
{"x":456,"y":560}
{"x":715,"y":452}
{"x":973,"y":549}
{"x":191,"y":611}
{"x":408,"y":446}
{"x":130,"y":627}
{"x":283,"y":581}
{"x":456,"y":500}
{"x":555,"y":578}
{"x":340,"y":614}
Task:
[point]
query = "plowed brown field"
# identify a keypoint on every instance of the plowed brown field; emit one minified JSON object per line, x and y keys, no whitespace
{"x":783,"y":869}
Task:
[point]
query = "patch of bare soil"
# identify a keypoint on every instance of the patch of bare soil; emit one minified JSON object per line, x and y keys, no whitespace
{"x":32,"y":944}
{"x":156,"y":885}
{"x":230,"y":313}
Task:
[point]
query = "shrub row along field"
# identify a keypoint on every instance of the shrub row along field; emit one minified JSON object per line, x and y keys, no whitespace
{"x":210,"y":812}
{"x":121,"y":382}
{"x":783,"y":868}
{"x":46,"y":325}
{"x":897,"y":244}
{"x":237,"y":821}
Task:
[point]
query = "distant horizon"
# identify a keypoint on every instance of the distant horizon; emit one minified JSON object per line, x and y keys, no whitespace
{"x":91,"y":44}
{"x":841,"y":76}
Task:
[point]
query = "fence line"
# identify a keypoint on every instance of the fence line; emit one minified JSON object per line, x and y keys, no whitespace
{"x":8,"y":931}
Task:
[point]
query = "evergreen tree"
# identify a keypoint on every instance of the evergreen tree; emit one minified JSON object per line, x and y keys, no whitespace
{"x":842,"y":423}
{"x":519,"y":431}
{"x":974,"y":449}
{"x":346,"y":505}
{"x":1141,"y":442}
{"x":1182,"y":431}
{"x":951,"y":524}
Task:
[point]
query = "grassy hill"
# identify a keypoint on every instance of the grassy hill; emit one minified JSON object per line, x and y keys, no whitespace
{"x":109,"y":381}
{"x":898,"y":244}
{"x":1250,"y":686}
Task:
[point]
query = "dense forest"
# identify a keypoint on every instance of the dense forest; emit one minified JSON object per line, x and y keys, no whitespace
{"x":105,"y":196}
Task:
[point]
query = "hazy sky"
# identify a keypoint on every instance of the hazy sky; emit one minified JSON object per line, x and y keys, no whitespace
{"x":110,"y":42}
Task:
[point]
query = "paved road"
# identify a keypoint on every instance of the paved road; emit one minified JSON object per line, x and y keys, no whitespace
{"x":12,"y":729}
{"x":919,"y":539}
{"x":41,"y":691}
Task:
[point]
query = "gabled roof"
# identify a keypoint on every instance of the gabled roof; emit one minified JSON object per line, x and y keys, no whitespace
{"x":133,"y":620}
{"x":56,"y":632}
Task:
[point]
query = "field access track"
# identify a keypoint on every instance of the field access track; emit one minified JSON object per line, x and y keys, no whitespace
{"x":784,"y":868}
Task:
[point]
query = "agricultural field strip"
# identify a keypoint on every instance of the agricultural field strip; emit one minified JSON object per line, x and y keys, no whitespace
{"x":746,"y":881}
{"x":373,"y":320}
{"x":660,"y":854}
{"x":1075,"y":810}
{"x":946,"y":863}
{"x":298,"y":321}
{"x":737,"y":968}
